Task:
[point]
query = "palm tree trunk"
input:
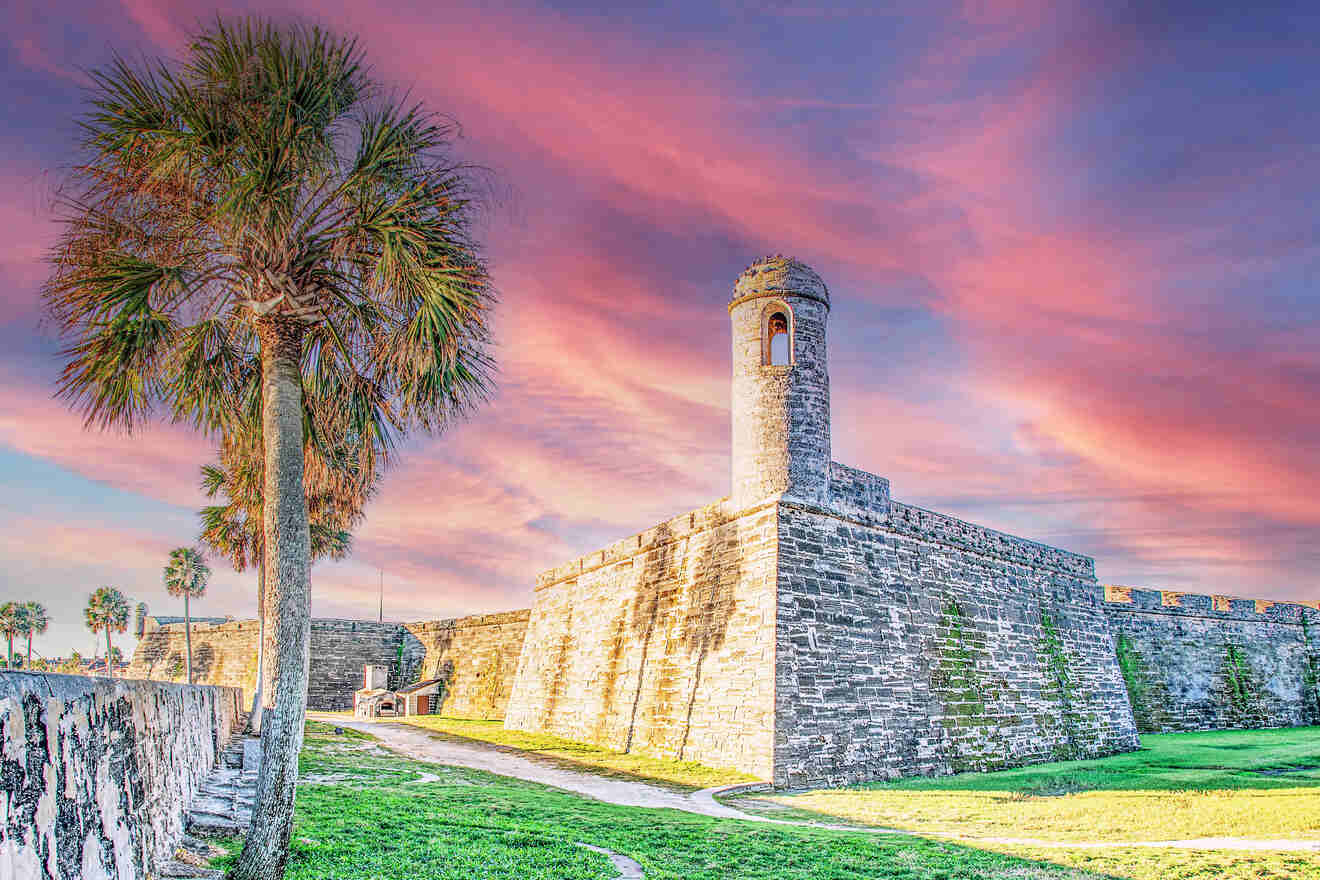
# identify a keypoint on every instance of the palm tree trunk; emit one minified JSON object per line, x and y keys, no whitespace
{"x":287,"y":542}
{"x":109,"y":663}
{"x":187,"y":635}
{"x":9,"y":655}
{"x":28,"y":664}
{"x":254,"y":718}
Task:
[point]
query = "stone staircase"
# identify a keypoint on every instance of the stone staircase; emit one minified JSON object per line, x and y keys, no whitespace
{"x":222,"y":807}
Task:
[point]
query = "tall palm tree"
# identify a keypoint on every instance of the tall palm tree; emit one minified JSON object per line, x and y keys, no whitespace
{"x":261,"y":214}
{"x":186,"y":575}
{"x":107,"y":609}
{"x":336,"y":487}
{"x":35,"y":622}
{"x":11,"y":625}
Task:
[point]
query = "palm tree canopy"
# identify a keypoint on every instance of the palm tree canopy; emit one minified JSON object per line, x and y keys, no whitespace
{"x":336,"y":484}
{"x":267,"y":174}
{"x":11,"y":619}
{"x":186,"y":574}
{"x":36,"y":618}
{"x":107,"y":608}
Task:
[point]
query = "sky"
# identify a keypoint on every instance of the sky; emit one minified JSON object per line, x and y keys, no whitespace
{"x":1072,"y":252}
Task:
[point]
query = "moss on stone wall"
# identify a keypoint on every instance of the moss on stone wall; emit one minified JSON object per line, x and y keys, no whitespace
{"x":961,"y":687}
{"x":1056,"y":661}
{"x":1132,"y":666}
{"x":1311,"y":673}
{"x":1241,"y":688}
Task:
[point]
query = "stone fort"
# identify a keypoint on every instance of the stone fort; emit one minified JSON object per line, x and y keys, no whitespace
{"x":812,"y":630}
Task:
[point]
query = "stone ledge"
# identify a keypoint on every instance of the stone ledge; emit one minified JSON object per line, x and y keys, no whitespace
{"x":1138,"y":600}
{"x":700,"y":520}
{"x":522,"y":615}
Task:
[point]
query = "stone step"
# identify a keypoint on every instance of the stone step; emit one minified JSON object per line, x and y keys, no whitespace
{"x":219,"y":805}
{"x":177,"y":869}
{"x":211,"y":825}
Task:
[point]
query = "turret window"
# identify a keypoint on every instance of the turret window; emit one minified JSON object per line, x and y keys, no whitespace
{"x":777,"y":336}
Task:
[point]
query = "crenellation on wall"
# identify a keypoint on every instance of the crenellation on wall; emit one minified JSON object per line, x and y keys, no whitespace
{"x":1200,"y":662}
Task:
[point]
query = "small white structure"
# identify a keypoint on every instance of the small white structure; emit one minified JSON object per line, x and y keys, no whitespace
{"x":375,"y":700}
{"x":422,"y":698}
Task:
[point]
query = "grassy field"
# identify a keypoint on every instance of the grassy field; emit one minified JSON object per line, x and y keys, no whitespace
{"x":364,"y":814}
{"x":367,"y":814}
{"x":1258,"y":784}
{"x":685,"y":775}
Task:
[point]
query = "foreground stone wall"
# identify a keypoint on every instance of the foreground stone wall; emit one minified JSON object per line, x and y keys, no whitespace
{"x":1194,"y":662}
{"x":662,"y":643}
{"x":95,"y":773}
{"x":899,"y":655}
{"x":476,"y":657}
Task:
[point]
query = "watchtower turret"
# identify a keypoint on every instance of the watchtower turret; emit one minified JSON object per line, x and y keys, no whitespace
{"x":781,"y":383}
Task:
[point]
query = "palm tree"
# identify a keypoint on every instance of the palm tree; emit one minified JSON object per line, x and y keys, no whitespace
{"x":336,"y":487}
{"x":261,"y":215}
{"x":35,"y":622}
{"x":107,"y":609}
{"x":186,"y":575}
{"x":11,"y":625}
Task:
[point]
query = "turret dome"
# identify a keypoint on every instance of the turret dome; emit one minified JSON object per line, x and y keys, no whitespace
{"x":779,"y":276}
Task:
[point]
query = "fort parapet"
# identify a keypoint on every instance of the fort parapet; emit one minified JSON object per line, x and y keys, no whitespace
{"x":1206,"y":662}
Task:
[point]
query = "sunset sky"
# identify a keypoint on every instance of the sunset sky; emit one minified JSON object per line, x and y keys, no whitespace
{"x":1072,"y":254}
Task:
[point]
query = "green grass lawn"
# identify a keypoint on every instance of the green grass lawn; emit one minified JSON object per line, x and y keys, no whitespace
{"x":365,"y":813}
{"x":685,"y":775}
{"x":1186,"y":785}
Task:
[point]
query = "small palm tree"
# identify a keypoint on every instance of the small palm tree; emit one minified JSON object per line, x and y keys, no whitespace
{"x":337,"y":488}
{"x":261,"y":215}
{"x":35,"y":622}
{"x":186,"y":575}
{"x":11,"y":625}
{"x":107,"y":609}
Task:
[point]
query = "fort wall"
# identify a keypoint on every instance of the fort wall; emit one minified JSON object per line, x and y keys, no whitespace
{"x":913,"y":643}
{"x":476,"y":657}
{"x":477,"y":654}
{"x":662,"y":643}
{"x":1194,"y":662}
{"x":97,"y":772}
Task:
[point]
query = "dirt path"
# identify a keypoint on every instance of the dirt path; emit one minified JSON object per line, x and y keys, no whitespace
{"x":414,"y":742}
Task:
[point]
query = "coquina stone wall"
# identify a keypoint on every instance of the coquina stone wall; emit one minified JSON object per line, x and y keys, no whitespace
{"x":95,"y":774}
{"x":226,"y":654}
{"x":1194,"y":662}
{"x":476,"y":657}
{"x":477,"y":654}
{"x":662,"y":643}
{"x":909,"y":642}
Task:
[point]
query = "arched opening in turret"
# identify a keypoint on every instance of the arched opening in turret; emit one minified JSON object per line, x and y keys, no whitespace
{"x":777,"y":336}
